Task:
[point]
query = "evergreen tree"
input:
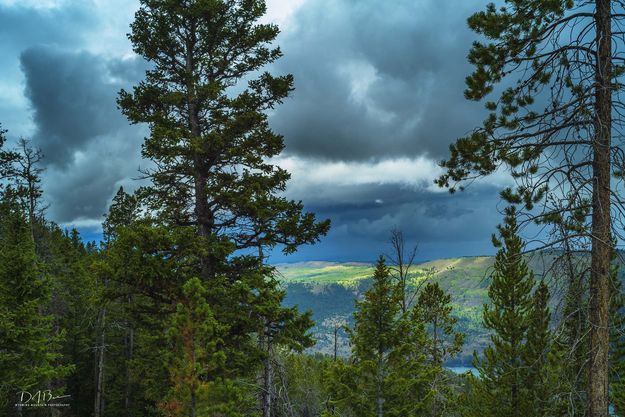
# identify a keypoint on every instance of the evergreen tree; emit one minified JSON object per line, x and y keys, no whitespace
{"x":435,"y":311}
{"x":210,"y":141}
{"x":7,"y":158}
{"x":537,"y":357}
{"x":213,"y":185}
{"x":387,"y":374}
{"x":558,"y":66}
{"x":518,"y":321}
{"x":571,"y":343}
{"x":30,"y":354}
{"x":74,"y":306}
{"x":195,"y":359}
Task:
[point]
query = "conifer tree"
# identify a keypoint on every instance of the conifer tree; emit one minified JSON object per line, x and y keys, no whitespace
{"x":554,"y":125}
{"x":196,"y":358}
{"x":30,"y":353}
{"x":210,"y":142}
{"x":537,"y":355}
{"x":387,"y":374}
{"x":514,"y":356}
{"x":434,"y":310}
{"x":73,"y":304}
{"x":213,"y":191}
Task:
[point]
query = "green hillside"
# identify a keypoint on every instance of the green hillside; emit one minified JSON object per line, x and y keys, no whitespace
{"x":329,"y":289}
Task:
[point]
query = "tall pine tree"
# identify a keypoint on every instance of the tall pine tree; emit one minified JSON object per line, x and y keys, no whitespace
{"x":30,"y":354}
{"x":558,"y":67}
{"x":213,"y":185}
{"x":511,"y":372}
{"x":209,"y":135}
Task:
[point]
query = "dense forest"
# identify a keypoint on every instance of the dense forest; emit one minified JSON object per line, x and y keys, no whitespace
{"x":177,"y":310}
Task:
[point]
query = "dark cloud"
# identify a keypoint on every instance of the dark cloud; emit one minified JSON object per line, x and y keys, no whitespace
{"x":440,"y":223}
{"x":73,"y":99}
{"x":377,"y":79}
{"x":21,"y":27}
{"x":373,"y":80}
{"x":88,"y":144}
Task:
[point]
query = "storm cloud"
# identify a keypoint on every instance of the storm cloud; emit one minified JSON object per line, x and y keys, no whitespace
{"x":88,"y":145}
{"x":378,"y":99}
{"x":376,"y":80}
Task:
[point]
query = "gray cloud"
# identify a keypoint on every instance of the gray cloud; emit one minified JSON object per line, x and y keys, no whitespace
{"x":377,"y":79}
{"x":88,"y":144}
{"x":22,"y":27}
{"x":373,"y":80}
{"x":73,"y":99}
{"x":441,"y":224}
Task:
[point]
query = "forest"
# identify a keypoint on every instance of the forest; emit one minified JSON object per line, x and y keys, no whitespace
{"x":178,"y":311}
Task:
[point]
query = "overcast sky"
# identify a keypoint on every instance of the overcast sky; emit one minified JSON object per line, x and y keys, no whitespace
{"x":378,"y":99}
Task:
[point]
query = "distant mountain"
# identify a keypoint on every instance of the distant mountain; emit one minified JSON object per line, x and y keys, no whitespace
{"x":329,"y":289}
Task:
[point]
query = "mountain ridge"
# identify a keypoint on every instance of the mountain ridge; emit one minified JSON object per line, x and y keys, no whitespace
{"x":329,"y":289}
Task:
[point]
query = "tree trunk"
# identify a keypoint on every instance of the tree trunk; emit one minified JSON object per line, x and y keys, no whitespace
{"x":601,"y":220}
{"x":99,"y":392}
{"x":202,"y":211}
{"x":129,"y":353}
{"x":267,"y":382}
{"x":379,"y":397}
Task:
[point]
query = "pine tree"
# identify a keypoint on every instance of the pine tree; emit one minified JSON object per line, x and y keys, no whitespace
{"x":195,"y":358}
{"x":617,"y":345}
{"x":210,"y":139}
{"x":558,"y":67}
{"x":537,"y":356}
{"x":213,"y":194}
{"x":518,"y":321}
{"x":74,"y":306}
{"x":387,"y":374}
{"x":29,"y":358}
{"x":7,"y":158}
{"x":435,"y":311}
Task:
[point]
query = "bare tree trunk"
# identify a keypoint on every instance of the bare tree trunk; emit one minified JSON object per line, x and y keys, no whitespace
{"x":267,"y":382}
{"x":129,"y":354}
{"x":379,"y":400}
{"x":601,"y":220}
{"x":99,"y":392}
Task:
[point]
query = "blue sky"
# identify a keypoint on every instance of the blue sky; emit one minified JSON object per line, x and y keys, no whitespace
{"x":378,"y":99}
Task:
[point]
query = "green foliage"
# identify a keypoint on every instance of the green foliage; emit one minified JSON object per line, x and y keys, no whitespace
{"x":195,"y":357}
{"x":73,"y":304}
{"x":617,"y":345}
{"x":214,"y":205}
{"x":387,"y":374}
{"x":444,"y":342}
{"x":30,"y":354}
{"x":211,"y":145}
{"x":434,"y":308}
{"x":513,"y":372}
{"x":300,"y":384}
